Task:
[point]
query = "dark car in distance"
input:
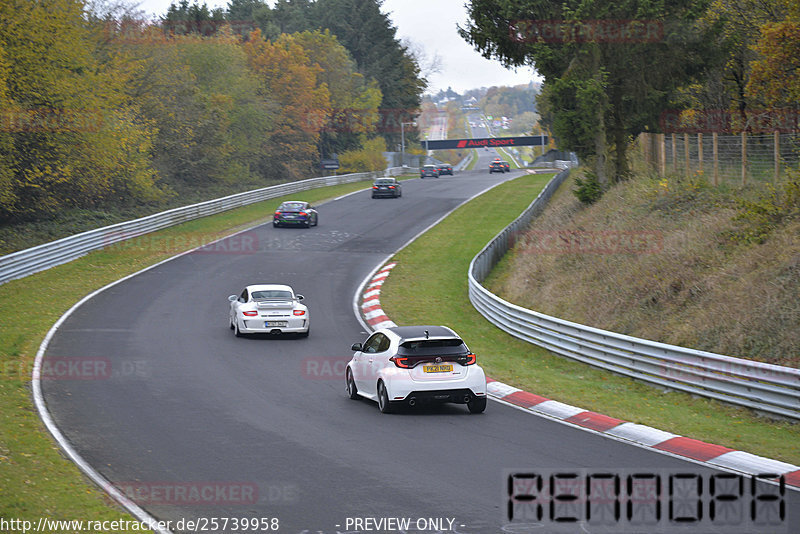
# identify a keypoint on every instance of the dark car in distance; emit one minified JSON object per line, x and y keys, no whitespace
{"x":496,"y":166}
{"x":295,"y":213}
{"x":445,"y":168}
{"x":386,"y":187}
{"x":429,"y":170}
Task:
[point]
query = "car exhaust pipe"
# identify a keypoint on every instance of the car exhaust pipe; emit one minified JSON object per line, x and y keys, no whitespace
{"x":467,"y":398}
{"x":412,"y":401}
{"x":275,"y":331}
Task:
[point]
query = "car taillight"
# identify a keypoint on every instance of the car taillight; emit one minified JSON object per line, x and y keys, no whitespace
{"x":469,"y":359}
{"x":303,"y":214}
{"x":250,"y":313}
{"x":299,"y":312}
{"x":278,"y":213}
{"x":374,"y":187}
{"x":391,"y":187}
{"x":403,"y":363}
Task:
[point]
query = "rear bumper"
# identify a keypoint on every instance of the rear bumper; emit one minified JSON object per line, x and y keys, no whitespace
{"x":291,"y":221}
{"x":258,"y":326}
{"x":457,"y":396}
{"x":401,"y":388}
{"x":389,"y":194}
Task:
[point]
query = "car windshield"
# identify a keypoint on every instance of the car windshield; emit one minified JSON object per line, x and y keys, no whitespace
{"x":292,"y":206}
{"x":271,"y":294}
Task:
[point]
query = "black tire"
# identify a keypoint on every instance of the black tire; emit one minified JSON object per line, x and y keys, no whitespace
{"x":236,"y":331}
{"x":477,"y":405}
{"x":275,"y":225}
{"x":230,"y":323}
{"x":352,"y":390}
{"x":316,"y":221}
{"x":384,"y":403}
{"x":304,"y":334}
{"x":308,"y":223}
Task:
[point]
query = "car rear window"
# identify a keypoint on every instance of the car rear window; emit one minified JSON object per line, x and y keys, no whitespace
{"x":292,"y":205}
{"x":384,"y":182}
{"x":271,"y":294}
{"x":433,"y":347}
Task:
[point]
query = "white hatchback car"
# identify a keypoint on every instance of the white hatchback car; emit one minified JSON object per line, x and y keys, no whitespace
{"x":416,"y":364}
{"x":268,"y":309}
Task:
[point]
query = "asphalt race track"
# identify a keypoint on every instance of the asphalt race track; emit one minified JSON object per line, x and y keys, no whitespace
{"x":195,"y":423}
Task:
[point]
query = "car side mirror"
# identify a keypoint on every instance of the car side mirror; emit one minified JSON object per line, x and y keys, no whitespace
{"x":232,"y":298}
{"x":299,"y":297}
{"x":357,"y":347}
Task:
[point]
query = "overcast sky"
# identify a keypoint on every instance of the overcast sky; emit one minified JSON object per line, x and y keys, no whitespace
{"x":431,"y":24}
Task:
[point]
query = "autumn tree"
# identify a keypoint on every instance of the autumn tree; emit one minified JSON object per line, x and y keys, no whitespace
{"x":366,"y":33}
{"x":70,"y":138}
{"x":354,"y":99}
{"x":775,"y":75}
{"x":288,"y":84}
{"x":737,"y":25}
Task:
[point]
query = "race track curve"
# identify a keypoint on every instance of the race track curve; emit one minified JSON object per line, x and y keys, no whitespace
{"x":261,"y":427}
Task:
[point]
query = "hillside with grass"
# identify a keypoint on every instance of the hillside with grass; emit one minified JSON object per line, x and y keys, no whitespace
{"x":671,"y":259}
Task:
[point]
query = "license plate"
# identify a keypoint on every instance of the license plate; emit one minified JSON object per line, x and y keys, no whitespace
{"x":276,"y":323}
{"x":438,"y":368}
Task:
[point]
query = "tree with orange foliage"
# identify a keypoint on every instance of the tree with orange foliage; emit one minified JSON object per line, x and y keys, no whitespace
{"x":288,"y":83}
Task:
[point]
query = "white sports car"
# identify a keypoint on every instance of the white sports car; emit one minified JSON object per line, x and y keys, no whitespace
{"x":268,"y":309}
{"x":412,"y":365}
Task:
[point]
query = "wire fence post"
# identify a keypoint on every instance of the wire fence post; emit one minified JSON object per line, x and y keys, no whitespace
{"x":715,"y":151}
{"x":686,"y":153}
{"x":776,"y":135}
{"x":744,"y":158}
{"x":662,"y":154}
{"x":700,"y":152}
{"x":674,"y":153}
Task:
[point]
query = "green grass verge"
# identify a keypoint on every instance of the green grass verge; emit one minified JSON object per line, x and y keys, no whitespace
{"x":507,"y":157}
{"x":35,"y":479}
{"x":429,"y":286}
{"x":473,"y":161}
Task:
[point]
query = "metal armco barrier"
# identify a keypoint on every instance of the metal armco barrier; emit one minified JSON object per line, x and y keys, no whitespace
{"x":25,"y":262}
{"x":760,"y":386}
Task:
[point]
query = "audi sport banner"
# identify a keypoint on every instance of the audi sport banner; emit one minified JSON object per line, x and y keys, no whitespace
{"x":535,"y":140}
